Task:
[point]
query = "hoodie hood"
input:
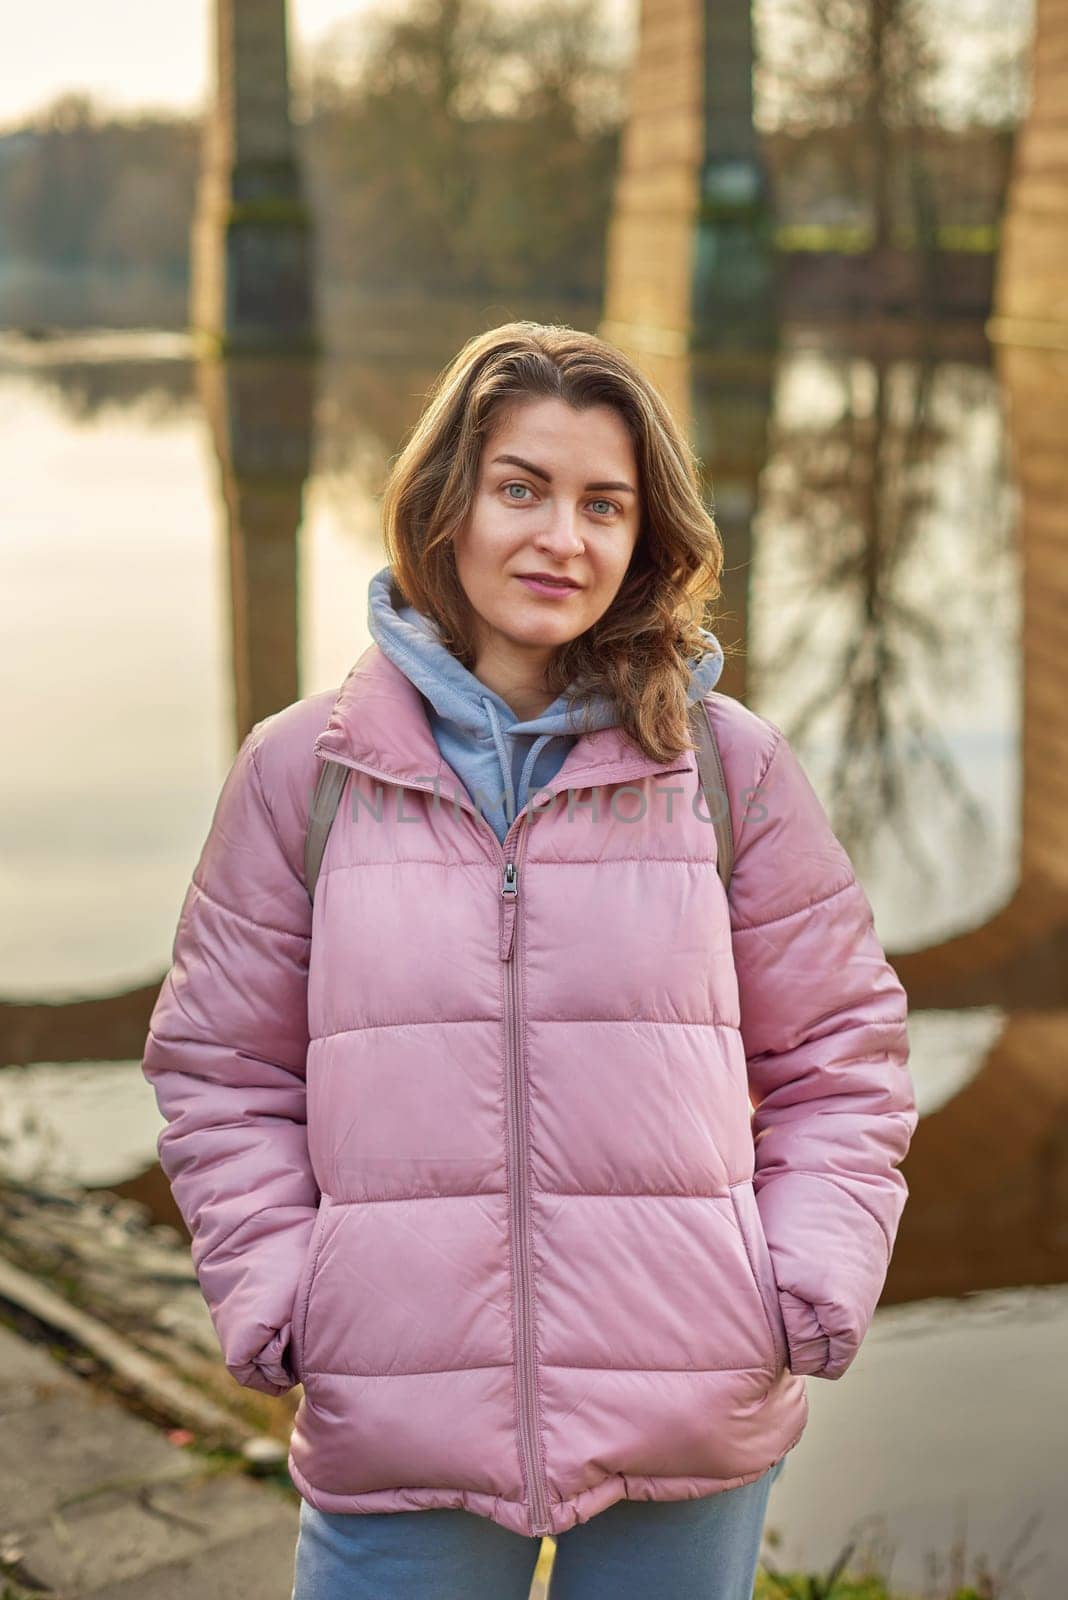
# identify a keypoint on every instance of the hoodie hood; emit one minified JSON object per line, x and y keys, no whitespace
{"x":500,"y":759}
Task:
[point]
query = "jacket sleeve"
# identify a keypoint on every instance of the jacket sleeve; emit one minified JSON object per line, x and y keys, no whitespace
{"x":824,"y":1025}
{"x":225,"y":1054}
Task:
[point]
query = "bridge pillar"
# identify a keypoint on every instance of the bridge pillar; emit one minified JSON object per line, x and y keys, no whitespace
{"x":251,"y":259}
{"x":690,"y":244}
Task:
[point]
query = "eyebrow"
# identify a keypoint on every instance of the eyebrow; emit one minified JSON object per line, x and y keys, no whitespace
{"x":540,"y":472}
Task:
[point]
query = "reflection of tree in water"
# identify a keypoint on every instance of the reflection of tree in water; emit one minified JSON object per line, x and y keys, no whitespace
{"x":154,"y":390}
{"x":855,"y":507}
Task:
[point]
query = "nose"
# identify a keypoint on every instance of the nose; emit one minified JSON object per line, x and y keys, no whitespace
{"x":560,"y":535}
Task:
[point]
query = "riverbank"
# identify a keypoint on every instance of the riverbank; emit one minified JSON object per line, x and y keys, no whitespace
{"x":96,"y":1502}
{"x":122,"y":1428}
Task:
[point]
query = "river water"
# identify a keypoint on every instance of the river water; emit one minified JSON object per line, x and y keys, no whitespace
{"x":181,"y":551}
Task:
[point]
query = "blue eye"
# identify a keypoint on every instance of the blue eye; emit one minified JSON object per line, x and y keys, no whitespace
{"x":610,"y":504}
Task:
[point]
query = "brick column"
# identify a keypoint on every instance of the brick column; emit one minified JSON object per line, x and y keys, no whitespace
{"x":690,"y":244}
{"x":251,"y":237}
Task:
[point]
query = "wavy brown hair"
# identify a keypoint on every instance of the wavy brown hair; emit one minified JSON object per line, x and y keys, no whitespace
{"x":638,"y":651}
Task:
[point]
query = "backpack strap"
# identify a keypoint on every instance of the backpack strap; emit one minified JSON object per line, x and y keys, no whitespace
{"x":333,"y":777}
{"x":713,"y":784}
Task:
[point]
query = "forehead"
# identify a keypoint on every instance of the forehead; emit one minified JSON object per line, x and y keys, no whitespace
{"x":594,"y":436}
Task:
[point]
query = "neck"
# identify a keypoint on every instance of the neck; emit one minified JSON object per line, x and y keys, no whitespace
{"x":517,"y":676}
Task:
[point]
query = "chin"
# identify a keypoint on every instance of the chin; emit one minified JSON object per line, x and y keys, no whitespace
{"x":534,"y":641}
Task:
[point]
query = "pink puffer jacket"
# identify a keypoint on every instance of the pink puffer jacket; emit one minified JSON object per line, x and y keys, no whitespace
{"x":477,"y":1161}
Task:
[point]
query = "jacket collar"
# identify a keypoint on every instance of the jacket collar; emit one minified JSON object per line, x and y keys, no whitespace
{"x":378,"y":723}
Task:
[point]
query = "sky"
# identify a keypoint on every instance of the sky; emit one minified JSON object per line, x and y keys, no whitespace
{"x":131,"y":54}
{"x":136,"y":54}
{"x":125,"y":52}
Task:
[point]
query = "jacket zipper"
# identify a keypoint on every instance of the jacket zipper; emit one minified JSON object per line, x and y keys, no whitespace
{"x":519,"y":1201}
{"x":518,"y":1171}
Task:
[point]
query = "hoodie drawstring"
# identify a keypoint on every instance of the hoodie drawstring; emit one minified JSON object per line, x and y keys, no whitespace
{"x":506,"y":766}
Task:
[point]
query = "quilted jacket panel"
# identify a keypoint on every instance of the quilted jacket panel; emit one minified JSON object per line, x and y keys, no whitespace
{"x":545,"y":1199}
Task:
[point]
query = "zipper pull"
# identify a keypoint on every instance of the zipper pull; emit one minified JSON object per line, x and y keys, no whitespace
{"x":509,"y":896}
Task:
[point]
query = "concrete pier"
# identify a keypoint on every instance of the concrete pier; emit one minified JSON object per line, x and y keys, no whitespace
{"x":252,"y":269}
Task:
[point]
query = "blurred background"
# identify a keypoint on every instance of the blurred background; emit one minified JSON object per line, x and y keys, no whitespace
{"x":236,"y":248}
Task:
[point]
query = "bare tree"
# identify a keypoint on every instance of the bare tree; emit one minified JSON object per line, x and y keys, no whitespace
{"x":462,"y":146}
{"x":865,"y":64}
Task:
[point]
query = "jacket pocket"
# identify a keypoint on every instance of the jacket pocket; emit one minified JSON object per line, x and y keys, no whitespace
{"x":304,"y":1288}
{"x":747,"y":1216}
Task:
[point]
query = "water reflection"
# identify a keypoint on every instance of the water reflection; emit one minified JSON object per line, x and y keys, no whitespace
{"x":869,"y":520}
{"x":886,"y":541}
{"x":888,"y":575}
{"x":260,"y":411}
{"x":88,"y":373}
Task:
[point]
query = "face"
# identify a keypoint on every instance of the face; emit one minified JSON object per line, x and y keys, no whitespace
{"x":565,"y":506}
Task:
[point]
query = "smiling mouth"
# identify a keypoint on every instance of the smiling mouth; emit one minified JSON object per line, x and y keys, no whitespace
{"x":547,"y":583}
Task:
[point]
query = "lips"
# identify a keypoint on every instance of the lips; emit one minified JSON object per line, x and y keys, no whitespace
{"x":554,"y":583}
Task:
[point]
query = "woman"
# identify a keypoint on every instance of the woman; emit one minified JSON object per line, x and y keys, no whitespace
{"x":546,"y":1168}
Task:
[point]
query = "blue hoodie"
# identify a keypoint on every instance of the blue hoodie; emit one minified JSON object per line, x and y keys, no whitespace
{"x":500,"y":760}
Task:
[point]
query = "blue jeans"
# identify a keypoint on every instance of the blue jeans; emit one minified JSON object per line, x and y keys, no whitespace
{"x":705,"y":1549}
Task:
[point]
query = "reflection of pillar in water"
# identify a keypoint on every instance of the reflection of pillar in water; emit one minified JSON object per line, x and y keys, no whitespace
{"x":722,"y":402}
{"x":1030,"y":330}
{"x":251,"y":239}
{"x":1018,"y":958}
{"x":260,"y":411}
{"x":690,"y":245}
{"x":988,"y":1171}
{"x":689,"y":293}
{"x":731,"y":397}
